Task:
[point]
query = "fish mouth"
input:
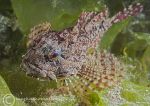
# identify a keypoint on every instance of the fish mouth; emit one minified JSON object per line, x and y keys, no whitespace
{"x":36,"y":72}
{"x":29,"y":69}
{"x":52,"y":72}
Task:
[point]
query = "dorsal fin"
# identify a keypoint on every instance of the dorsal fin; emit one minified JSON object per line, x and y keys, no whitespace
{"x":36,"y":32}
{"x":87,"y":17}
{"x":132,"y":10}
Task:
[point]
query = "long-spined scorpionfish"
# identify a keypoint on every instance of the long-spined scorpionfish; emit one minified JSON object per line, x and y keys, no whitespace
{"x":71,"y":54}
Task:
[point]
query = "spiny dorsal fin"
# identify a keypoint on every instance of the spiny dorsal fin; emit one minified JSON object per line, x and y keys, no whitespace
{"x":132,"y":10}
{"x":86,"y":17}
{"x":95,"y":24}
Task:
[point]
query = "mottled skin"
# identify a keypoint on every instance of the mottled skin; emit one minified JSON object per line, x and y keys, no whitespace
{"x":71,"y":53}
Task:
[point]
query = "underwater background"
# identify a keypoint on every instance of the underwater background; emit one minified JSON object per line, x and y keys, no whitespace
{"x":129,"y":40}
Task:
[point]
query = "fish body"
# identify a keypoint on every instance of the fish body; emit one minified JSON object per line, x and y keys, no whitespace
{"x":71,"y":54}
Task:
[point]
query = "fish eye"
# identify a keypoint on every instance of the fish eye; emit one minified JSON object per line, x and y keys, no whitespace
{"x":53,"y":55}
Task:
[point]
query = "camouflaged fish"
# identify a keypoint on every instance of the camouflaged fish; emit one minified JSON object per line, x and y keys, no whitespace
{"x":71,"y":54}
